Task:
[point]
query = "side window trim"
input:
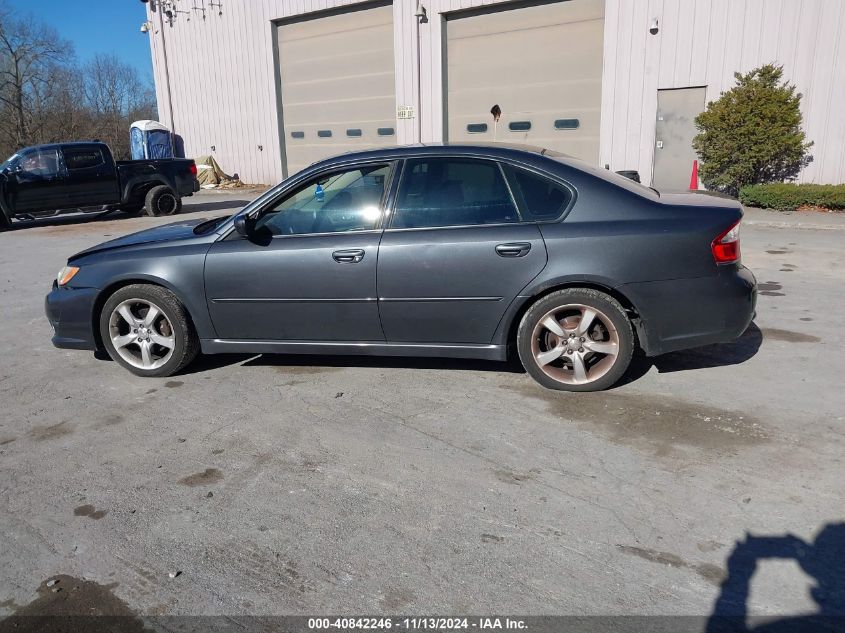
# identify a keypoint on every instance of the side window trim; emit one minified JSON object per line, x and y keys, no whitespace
{"x":391,"y":216}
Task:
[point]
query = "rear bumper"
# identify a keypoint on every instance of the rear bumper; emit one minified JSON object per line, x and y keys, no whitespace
{"x":69,"y":311}
{"x":684,"y":313}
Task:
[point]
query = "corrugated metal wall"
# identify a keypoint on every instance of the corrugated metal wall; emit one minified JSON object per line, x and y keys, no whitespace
{"x":223,"y":72}
{"x":702,"y":43}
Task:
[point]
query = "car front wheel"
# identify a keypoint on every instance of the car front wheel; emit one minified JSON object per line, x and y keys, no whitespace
{"x":577,"y":339}
{"x":147,"y":330}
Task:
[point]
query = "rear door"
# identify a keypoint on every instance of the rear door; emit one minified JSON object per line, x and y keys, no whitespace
{"x":455,"y":253}
{"x":92,"y":178}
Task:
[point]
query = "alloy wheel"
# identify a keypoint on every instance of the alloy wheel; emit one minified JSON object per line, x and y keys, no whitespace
{"x":575,"y":344}
{"x":141,"y":334}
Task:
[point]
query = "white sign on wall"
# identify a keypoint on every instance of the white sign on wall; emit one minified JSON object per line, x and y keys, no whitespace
{"x":405,"y":112}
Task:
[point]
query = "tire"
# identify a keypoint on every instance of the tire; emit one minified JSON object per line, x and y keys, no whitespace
{"x":162,"y":200}
{"x":559,"y":357}
{"x":5,"y":223}
{"x":169,"y":337}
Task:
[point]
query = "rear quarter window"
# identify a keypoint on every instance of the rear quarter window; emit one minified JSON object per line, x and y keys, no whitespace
{"x":539,"y":198}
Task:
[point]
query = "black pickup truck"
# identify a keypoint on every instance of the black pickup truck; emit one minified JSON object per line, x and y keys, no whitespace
{"x":83,"y":176}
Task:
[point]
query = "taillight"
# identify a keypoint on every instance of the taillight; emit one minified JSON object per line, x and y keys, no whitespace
{"x":726,"y":246}
{"x":193,"y":169}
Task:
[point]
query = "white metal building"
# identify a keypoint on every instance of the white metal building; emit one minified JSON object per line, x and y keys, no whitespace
{"x":269,"y":86}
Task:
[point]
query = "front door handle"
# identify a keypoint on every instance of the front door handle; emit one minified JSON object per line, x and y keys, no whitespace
{"x":513,"y":249}
{"x":351,"y":256}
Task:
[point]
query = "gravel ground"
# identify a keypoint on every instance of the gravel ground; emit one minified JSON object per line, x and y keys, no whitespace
{"x":296,"y":485}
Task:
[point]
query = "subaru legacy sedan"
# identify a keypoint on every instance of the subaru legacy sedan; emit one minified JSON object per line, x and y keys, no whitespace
{"x":433,"y":250}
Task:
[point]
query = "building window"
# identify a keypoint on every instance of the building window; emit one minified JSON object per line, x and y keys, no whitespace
{"x":297,"y":134}
{"x":477,"y":128}
{"x":567,"y":124}
{"x":519,"y":126}
{"x":386,"y":131}
{"x":324,"y":133}
{"x":354,"y":132}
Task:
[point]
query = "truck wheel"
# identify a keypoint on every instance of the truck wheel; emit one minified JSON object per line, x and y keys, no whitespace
{"x":147,"y":330}
{"x":4,"y":222}
{"x":162,"y":200}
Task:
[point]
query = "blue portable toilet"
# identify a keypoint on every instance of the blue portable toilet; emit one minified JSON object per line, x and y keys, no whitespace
{"x":149,"y":140}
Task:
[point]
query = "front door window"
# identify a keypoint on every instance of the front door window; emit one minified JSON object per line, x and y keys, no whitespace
{"x":340,"y":202}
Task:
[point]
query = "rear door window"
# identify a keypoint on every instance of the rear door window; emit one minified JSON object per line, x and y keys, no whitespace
{"x":452,"y":192}
{"x":540,"y":199}
{"x":83,"y":157}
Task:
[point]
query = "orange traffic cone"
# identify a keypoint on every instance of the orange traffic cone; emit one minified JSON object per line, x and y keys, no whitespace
{"x":693,"y":179}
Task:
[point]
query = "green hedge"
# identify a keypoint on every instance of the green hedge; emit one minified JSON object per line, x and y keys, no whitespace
{"x":788,"y":197}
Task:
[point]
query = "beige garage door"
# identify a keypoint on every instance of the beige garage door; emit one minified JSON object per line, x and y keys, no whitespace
{"x":542,"y":65}
{"x":337,"y":84}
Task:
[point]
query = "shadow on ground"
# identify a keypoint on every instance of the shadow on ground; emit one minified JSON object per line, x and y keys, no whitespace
{"x":821,"y":559}
{"x":718,"y":355}
{"x":300,"y":361}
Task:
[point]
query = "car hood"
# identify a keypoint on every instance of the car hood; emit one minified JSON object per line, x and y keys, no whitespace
{"x":176,"y":231}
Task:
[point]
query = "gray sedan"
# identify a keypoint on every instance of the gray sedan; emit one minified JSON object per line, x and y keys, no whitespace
{"x":443,"y":250}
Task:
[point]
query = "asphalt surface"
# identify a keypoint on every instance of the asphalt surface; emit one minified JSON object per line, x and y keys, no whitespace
{"x":297,"y":485}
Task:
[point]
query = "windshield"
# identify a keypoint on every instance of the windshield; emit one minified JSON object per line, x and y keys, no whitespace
{"x":9,"y":161}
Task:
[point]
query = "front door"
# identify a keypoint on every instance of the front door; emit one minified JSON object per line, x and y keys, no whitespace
{"x":37,"y":181}
{"x":675,"y":129}
{"x":455,"y":254}
{"x":310,"y":272}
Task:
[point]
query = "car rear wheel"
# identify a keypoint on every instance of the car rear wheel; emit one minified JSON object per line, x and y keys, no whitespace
{"x":147,"y":330}
{"x":162,"y":200}
{"x":577,"y":339}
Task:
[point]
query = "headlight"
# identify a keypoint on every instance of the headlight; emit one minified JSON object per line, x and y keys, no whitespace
{"x":66,"y":274}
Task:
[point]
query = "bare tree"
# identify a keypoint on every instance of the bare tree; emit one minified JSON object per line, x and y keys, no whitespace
{"x":29,"y":51}
{"x":116,"y":95}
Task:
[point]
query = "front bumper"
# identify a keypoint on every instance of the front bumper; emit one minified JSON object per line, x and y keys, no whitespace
{"x":70,"y":313}
{"x":683,"y":313}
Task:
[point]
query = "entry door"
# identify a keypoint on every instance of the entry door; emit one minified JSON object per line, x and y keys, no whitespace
{"x":675,"y":129}
{"x":309,"y":272}
{"x":455,"y":254}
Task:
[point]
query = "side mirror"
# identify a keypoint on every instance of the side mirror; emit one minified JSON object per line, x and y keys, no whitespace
{"x":244,"y":226}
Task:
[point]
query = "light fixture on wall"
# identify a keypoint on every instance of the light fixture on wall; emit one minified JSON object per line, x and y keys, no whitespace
{"x":654,"y":27}
{"x":421,"y":14}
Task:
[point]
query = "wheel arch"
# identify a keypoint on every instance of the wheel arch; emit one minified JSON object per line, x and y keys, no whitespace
{"x":535,"y":294}
{"x":138,"y":188}
{"x":116,"y":285}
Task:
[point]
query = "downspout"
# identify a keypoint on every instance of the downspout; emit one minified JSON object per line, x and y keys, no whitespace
{"x":167,"y":82}
{"x":421,"y":17}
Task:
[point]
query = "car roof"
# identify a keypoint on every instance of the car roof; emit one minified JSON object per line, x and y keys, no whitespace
{"x":494,"y":150}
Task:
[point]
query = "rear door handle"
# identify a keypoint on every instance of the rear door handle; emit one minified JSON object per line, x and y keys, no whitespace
{"x":351,"y":256}
{"x":513,"y":249}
